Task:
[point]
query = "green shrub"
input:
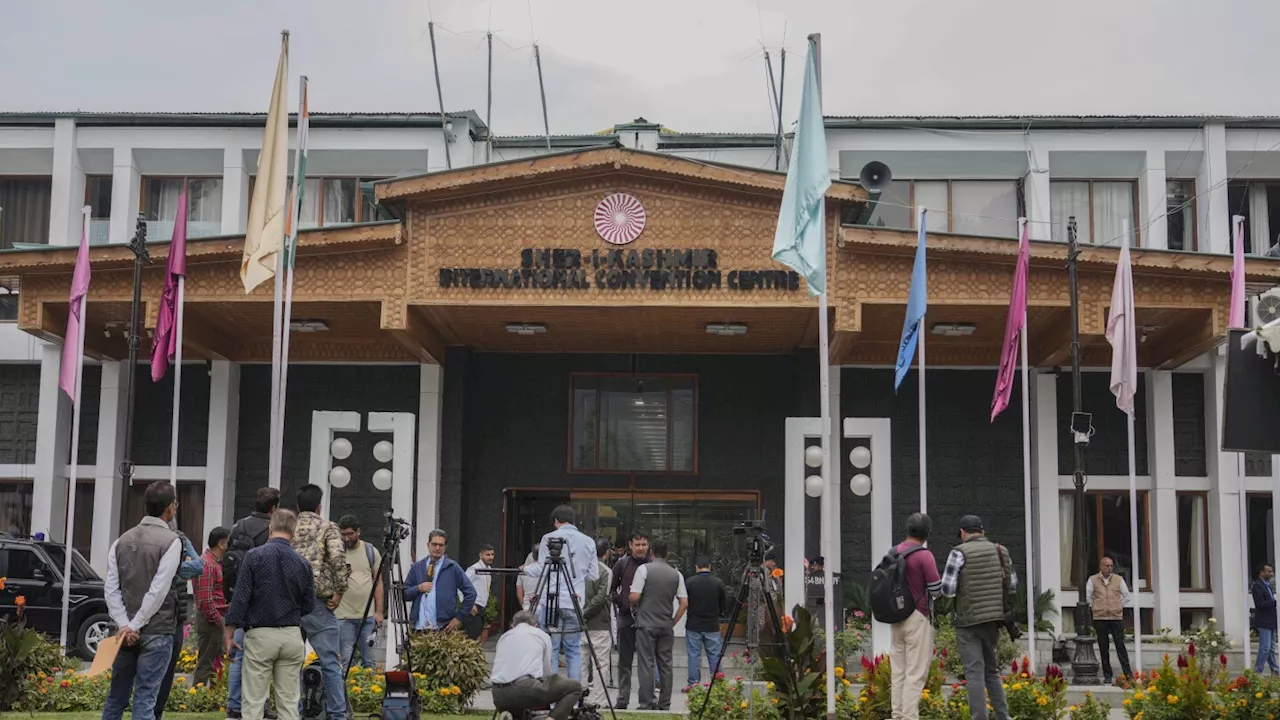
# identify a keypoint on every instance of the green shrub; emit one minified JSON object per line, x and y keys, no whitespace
{"x":449,"y":660}
{"x":728,"y":701}
{"x":28,"y":658}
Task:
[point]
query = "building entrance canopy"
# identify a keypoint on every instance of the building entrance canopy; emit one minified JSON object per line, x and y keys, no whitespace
{"x":611,"y":250}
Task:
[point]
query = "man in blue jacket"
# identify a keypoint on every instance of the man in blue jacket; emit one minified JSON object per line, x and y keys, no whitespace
{"x":433,"y":585}
{"x":1264,"y":614}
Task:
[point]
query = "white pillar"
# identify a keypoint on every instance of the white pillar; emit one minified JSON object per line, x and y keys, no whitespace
{"x":430,"y":393}
{"x":108,"y":488}
{"x":53,"y":438}
{"x":235,"y":191}
{"x":1226,"y":574}
{"x":67,"y":185}
{"x":1152,"y":203}
{"x":126,"y":186}
{"x":1212,"y":211}
{"x":798,"y":431}
{"x":400,"y":425}
{"x":1164,"y":499}
{"x":1049,"y":560}
{"x":220,"y":456}
{"x":879,"y":432}
{"x":833,"y":491}
{"x":1036,"y":189}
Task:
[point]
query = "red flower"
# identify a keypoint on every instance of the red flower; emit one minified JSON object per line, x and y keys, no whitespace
{"x":944,"y":653}
{"x":866,"y":664}
{"x":1222,"y":658}
{"x":1015,"y":667}
{"x":1191,"y":649}
{"x":55,"y":670}
{"x":65,"y":684}
{"x":1026,"y":664}
{"x":1182,"y":662}
{"x":719,"y":676}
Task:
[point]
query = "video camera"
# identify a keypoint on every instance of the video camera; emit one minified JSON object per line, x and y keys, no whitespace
{"x":397,"y":530}
{"x":757,"y":537}
{"x":555,"y":546}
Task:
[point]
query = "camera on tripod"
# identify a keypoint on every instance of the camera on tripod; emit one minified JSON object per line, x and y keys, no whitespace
{"x":397,"y":530}
{"x":757,"y":536}
{"x":555,"y":546}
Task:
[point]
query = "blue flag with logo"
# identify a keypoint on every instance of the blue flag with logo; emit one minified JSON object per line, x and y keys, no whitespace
{"x":917,"y":304}
{"x":800,"y":240}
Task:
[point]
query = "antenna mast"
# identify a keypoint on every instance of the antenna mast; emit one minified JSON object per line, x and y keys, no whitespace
{"x":444,"y":120}
{"x":546,"y":125}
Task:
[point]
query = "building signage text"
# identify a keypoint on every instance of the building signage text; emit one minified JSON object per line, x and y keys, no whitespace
{"x":648,"y":269}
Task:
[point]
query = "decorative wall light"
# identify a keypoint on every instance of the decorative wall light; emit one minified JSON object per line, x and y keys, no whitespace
{"x":860,"y":485}
{"x":382,"y":451}
{"x":340,"y":448}
{"x":860,"y":457}
{"x":382,"y":479}
{"x":339,"y":476}
{"x":813,"y":456}
{"x":813,"y":486}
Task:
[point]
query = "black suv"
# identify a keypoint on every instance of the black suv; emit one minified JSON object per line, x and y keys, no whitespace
{"x":34,"y":570}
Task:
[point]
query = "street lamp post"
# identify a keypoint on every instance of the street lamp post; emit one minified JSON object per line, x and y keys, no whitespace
{"x":1084,"y":662}
{"x":140,"y":257}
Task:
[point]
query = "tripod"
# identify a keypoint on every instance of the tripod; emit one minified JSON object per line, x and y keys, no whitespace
{"x":755,"y":579}
{"x":397,"y":617}
{"x":554,"y":572}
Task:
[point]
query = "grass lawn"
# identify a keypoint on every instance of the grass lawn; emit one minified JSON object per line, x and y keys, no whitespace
{"x":471,"y":715}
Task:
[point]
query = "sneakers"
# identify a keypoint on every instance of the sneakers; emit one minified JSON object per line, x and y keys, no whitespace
{"x":233,"y":715}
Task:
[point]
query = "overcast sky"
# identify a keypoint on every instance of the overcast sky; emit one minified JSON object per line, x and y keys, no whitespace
{"x":693,"y":65}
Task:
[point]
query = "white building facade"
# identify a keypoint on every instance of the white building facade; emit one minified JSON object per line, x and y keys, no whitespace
{"x":1175,"y":181}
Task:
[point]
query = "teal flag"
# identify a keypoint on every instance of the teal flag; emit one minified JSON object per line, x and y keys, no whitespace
{"x":800,"y":241}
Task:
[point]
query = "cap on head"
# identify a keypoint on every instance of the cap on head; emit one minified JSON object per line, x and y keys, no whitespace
{"x":971,"y":524}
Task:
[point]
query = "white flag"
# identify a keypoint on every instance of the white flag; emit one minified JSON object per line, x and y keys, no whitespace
{"x":264,"y":234}
{"x":1122,"y":334}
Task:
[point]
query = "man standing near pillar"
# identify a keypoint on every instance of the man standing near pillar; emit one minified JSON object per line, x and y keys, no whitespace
{"x":1108,"y":596}
{"x":656,"y":587}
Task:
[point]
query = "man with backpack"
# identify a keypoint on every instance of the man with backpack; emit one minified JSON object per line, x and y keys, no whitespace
{"x":902,"y":590}
{"x":249,"y":532}
{"x":364,"y":581}
{"x":979,"y":575}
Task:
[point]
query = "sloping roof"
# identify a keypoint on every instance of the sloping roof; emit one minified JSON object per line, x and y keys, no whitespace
{"x":597,"y":158}
{"x":242,"y":119}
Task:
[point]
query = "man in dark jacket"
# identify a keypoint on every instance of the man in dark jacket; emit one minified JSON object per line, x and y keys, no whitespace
{"x":433,"y":585}
{"x":620,"y":588}
{"x":250,"y":531}
{"x":1264,"y":613}
{"x":708,"y":602}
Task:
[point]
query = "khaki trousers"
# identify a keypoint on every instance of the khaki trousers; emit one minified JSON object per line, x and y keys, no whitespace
{"x":602,"y":644}
{"x":910,"y":655}
{"x":272,"y":655}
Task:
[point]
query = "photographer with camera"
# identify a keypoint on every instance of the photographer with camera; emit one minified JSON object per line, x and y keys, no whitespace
{"x":980,"y":576}
{"x":555,"y":608}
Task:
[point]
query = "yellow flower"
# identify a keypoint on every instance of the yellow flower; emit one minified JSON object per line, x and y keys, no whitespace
{"x":355,"y":689}
{"x":192,"y":691}
{"x":444,"y":692}
{"x":199,"y":684}
{"x":1138,"y":695}
{"x":845,"y":681}
{"x":743,"y":705}
{"x":1042,"y":700}
{"x":839,"y":672}
{"x":1172,"y":699}
{"x":769,"y":685}
{"x":181,"y":681}
{"x":375,"y":688}
{"x":1126,"y":702}
{"x":182,"y":707}
{"x":456,"y":690}
{"x":1071,"y":709}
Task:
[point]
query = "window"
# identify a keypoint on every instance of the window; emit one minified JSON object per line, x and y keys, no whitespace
{"x":328,"y":201}
{"x":21,"y":564}
{"x":1102,"y":209}
{"x":160,"y":205}
{"x":24,"y":210}
{"x":1180,"y":209}
{"x":633,"y":423}
{"x":1193,"y":542}
{"x":97,"y":195}
{"x":8,"y":313}
{"x":1106,"y":517}
{"x":81,"y":570}
{"x":190,"y":509}
{"x":1260,"y":531}
{"x":1258,"y":201}
{"x":15,"y":508}
{"x":974,"y":207}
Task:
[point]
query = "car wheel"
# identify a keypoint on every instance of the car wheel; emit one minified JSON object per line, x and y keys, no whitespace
{"x":93,"y":631}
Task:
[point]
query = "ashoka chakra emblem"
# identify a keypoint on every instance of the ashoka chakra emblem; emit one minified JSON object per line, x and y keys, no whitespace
{"x":620,"y":218}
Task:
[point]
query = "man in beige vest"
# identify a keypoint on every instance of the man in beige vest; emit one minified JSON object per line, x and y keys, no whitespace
{"x":1108,"y":596}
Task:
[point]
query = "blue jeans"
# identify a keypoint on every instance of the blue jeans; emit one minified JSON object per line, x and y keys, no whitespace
{"x":322,"y":630}
{"x":694,"y":644}
{"x":144,"y":664}
{"x":233,"y":671}
{"x":1266,"y":651}
{"x":356,"y":636}
{"x":569,"y":638}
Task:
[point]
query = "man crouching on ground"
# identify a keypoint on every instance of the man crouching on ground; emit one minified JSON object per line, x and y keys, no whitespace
{"x":524,"y":672}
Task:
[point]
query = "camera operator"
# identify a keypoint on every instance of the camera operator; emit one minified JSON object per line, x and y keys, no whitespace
{"x":578,"y":552}
{"x":524,"y":672}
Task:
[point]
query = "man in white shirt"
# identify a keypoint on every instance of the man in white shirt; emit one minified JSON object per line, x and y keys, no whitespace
{"x":578,"y":553}
{"x":474,"y":623}
{"x":655,"y":590}
{"x":141,"y":566}
{"x":524,"y":672}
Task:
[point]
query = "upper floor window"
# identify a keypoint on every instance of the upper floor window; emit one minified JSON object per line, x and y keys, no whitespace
{"x":330,"y":201}
{"x":1103,"y":209}
{"x":1258,"y":201}
{"x":97,"y":195}
{"x":633,"y":423}
{"x":160,"y":205}
{"x":1180,"y":211}
{"x":24,"y":210}
{"x":973,"y":207}
{"x":8,"y":305}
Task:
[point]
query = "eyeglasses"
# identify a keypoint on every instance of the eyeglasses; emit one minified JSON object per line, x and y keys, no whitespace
{"x":439,"y":545}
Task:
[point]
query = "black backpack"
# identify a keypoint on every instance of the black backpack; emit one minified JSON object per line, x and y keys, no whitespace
{"x":242,"y":540}
{"x":891,"y":598}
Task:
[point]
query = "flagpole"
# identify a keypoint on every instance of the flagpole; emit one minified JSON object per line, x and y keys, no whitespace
{"x":177,"y":379}
{"x":1028,"y":581}
{"x":920,"y":333}
{"x":290,"y":253}
{"x":273,"y":471}
{"x":824,"y":401}
{"x":1132,"y":352}
{"x":73,"y":474}
{"x":1237,"y":222}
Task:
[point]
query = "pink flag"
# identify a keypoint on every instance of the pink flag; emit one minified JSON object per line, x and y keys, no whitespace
{"x":1012,"y":328}
{"x":73,"y":346}
{"x":165,"y":345}
{"x":1122,"y":333}
{"x":1236,"y":319}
